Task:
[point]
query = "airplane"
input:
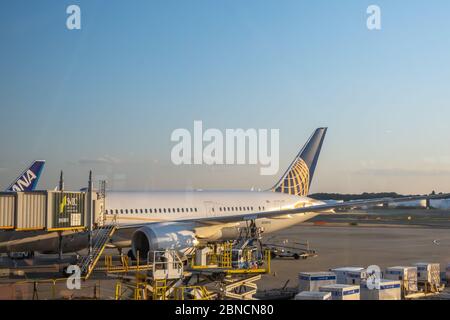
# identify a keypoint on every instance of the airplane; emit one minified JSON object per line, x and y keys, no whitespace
{"x":28,"y":179}
{"x":180,"y":220}
{"x":149,"y":221}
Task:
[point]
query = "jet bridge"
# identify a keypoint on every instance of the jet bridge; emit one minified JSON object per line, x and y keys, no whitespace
{"x":49,"y":210}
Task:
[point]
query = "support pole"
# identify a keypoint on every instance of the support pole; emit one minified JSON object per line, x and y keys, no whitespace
{"x":90,"y":216}
{"x":61,"y":181}
{"x":60,"y":246}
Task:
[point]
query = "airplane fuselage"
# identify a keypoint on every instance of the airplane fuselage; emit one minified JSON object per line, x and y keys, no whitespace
{"x":129,"y":208}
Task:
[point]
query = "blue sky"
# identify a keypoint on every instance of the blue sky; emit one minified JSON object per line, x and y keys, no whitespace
{"x":108,"y":96}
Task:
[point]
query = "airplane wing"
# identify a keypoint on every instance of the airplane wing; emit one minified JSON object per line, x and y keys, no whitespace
{"x":212,"y":220}
{"x":311,"y":208}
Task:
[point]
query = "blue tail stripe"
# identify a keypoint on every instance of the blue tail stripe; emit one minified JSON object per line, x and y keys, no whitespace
{"x":29,"y":178}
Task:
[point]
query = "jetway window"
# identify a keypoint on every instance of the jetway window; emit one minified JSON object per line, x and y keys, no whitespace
{"x":160,"y":210}
{"x":173,"y":210}
{"x":178,"y":209}
{"x":195,"y":209}
{"x":164,"y":210}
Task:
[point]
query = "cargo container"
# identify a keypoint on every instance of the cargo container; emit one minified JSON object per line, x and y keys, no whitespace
{"x":406,"y":275}
{"x":31,"y":211}
{"x":342,"y":291}
{"x":313,"y":295}
{"x":312,"y":281}
{"x":7,"y":210}
{"x":429,"y":275}
{"x":386,"y":290}
{"x":341,"y":273}
{"x":447,"y":273}
{"x":356,"y":277}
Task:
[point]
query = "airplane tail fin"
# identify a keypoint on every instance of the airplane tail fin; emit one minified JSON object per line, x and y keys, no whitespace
{"x":29,"y":178}
{"x":297,"y":178}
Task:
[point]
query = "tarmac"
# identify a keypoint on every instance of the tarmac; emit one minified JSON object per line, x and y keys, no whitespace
{"x":380,"y":237}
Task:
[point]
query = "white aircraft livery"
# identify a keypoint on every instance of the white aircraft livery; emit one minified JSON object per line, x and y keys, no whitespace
{"x":148,"y":221}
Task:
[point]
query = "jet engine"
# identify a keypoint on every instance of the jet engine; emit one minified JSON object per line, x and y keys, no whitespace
{"x":163,"y":236}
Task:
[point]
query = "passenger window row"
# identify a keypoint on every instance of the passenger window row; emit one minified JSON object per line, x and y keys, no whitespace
{"x":238,"y":209}
{"x":177,"y":210}
{"x":157,"y":210}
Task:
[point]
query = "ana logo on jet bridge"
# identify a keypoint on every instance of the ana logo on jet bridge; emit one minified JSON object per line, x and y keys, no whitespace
{"x":212,"y":147}
{"x":24,"y":182}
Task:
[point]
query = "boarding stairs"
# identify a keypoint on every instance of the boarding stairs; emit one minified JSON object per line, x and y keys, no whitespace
{"x":101,"y":237}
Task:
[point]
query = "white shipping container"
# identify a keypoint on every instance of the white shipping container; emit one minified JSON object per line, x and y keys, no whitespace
{"x":406,"y":275}
{"x":356,"y":277}
{"x":429,"y":273}
{"x":342,"y":291}
{"x":312,"y":281}
{"x":447,"y":273}
{"x":341,"y":273}
{"x":387,"y":290}
{"x":313,"y":295}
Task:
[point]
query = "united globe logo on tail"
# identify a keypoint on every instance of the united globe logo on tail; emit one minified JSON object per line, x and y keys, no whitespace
{"x":297,"y":178}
